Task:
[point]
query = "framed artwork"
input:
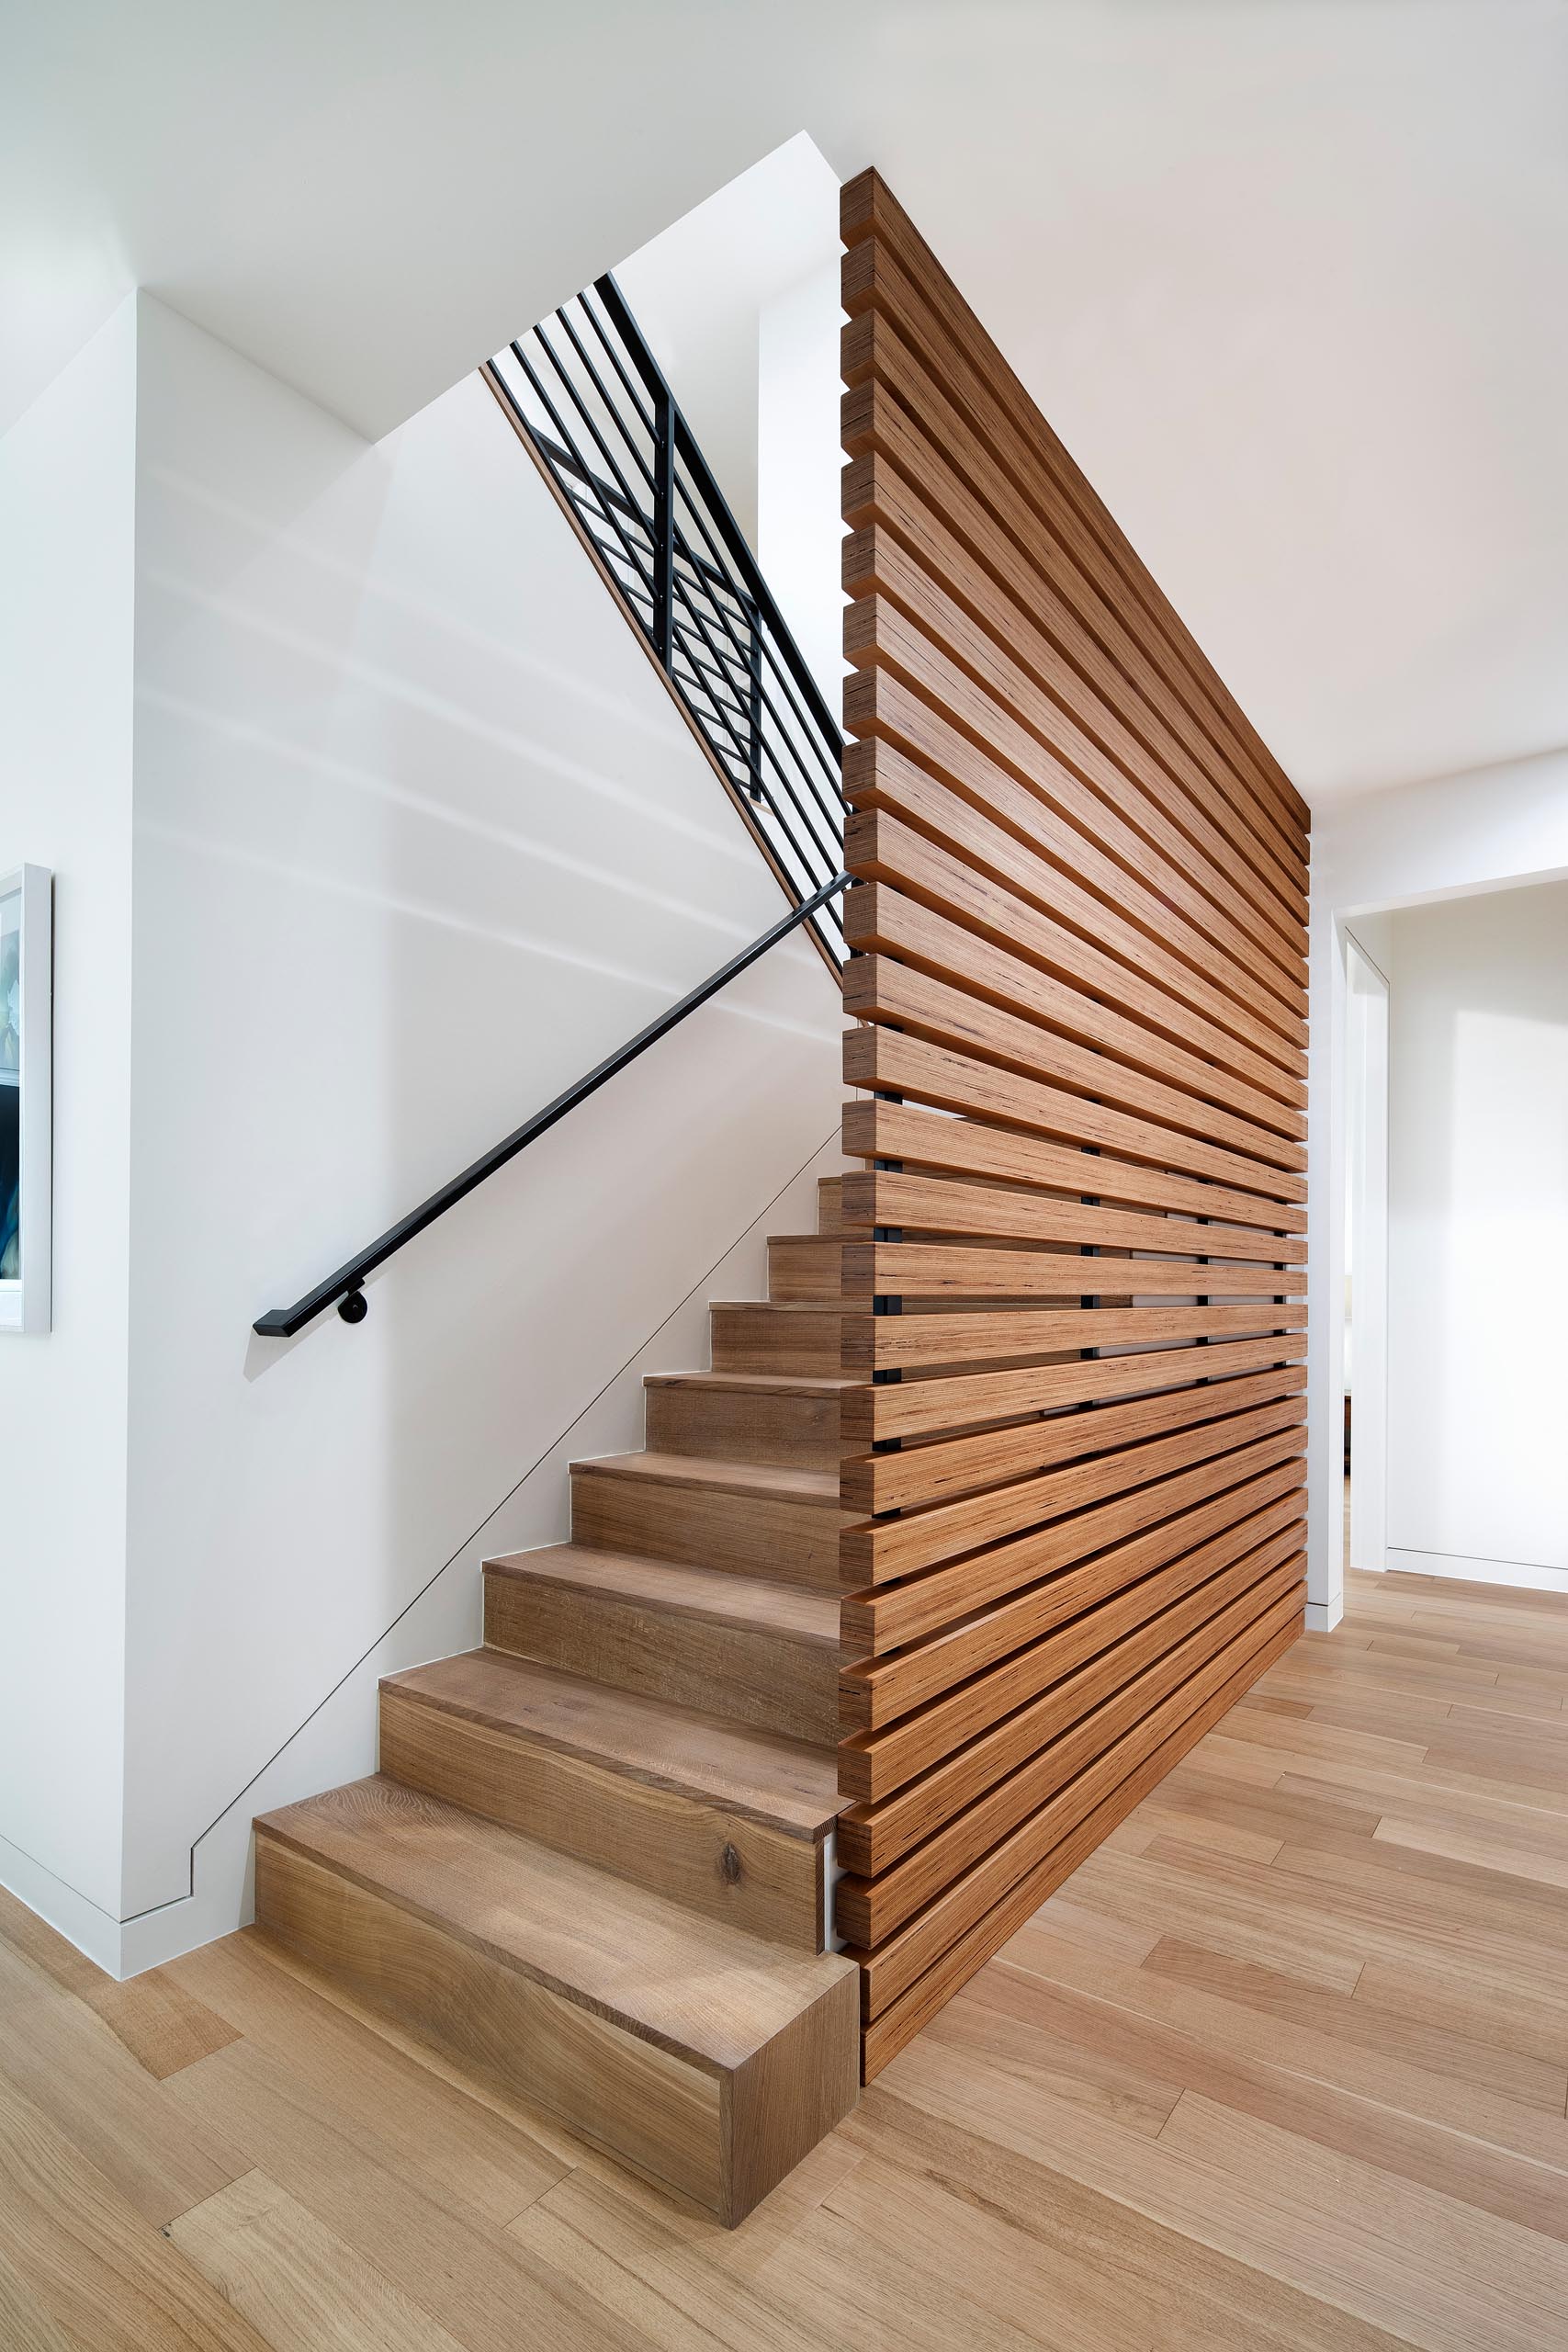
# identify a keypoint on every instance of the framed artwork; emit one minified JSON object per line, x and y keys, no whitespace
{"x":27,"y":989}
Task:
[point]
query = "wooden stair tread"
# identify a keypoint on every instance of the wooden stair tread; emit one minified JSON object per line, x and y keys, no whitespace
{"x":751,"y":1602}
{"x":776,"y":1479}
{"x":783,"y":1783}
{"x":754,"y":1384}
{"x":706,"y":1992}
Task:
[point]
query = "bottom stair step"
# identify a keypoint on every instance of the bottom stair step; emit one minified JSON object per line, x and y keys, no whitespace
{"x":706,"y":2059}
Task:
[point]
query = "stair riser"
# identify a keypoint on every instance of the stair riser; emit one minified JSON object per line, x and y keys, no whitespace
{"x":643,"y":2104}
{"x":719,"y":1864}
{"x":729,"y":1425}
{"x":788,"y":1542}
{"x":803,"y":1267}
{"x":829,"y":1204}
{"x":763,"y":1677}
{"x":758,"y":1339}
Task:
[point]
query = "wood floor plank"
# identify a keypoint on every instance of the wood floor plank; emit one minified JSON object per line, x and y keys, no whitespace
{"x":421,"y":2244}
{"x":1202,"y":2101}
{"x":449,"y":2144}
{"x":1510,"y":2159}
{"x":1436,"y":2049}
{"x":60,"y":2055}
{"x":651,"y":2269}
{"x":1283,"y":2206}
{"x":1450,"y":2276}
{"x":25,"y":2324}
{"x":79,"y":2252}
{"x":159,"y":2020}
{"x":1203,"y":2300}
{"x":1528,"y":2019}
{"x":935,"y":2235}
{"x":298,"y":2284}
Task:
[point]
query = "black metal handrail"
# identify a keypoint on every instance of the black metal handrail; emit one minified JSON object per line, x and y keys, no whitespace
{"x":585,"y":393}
{"x":345,"y":1289}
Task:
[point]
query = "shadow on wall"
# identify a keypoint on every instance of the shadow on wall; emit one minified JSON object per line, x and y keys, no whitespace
{"x":419,"y":838}
{"x":337,"y":1740}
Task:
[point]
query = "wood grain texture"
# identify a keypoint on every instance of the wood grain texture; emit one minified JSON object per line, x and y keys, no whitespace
{"x":916,"y":1138}
{"x":926,"y":941}
{"x":1199,"y":2101}
{"x":761,"y":1519}
{"x":698,"y":2053}
{"x":765,"y":1653}
{"x":587,"y":1772}
{"x":1073,"y":1278}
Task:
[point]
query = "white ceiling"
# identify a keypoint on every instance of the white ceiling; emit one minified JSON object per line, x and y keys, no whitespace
{"x":1288,"y":275}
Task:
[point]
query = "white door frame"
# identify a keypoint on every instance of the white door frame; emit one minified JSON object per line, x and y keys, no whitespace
{"x":1366,"y":1172}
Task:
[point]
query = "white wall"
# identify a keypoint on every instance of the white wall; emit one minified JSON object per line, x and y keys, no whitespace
{"x":799,"y":461}
{"x":701,"y":288}
{"x":412,"y":835}
{"x":67,"y":489}
{"x":1480,"y":831}
{"x":419,"y":838}
{"x":332,"y":1744}
{"x":1478,"y":1233}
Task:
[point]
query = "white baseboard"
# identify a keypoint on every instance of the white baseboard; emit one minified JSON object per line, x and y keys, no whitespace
{"x":80,"y":1921}
{"x":1524,"y":1575}
{"x":1322,"y":1616}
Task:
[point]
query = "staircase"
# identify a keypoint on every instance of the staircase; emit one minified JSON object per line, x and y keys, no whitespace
{"x":595,"y":1865}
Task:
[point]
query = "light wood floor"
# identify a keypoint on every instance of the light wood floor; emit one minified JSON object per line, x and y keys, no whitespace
{"x":1285,"y":2063}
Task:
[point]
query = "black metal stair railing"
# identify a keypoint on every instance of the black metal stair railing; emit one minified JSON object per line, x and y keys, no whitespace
{"x":585,"y":393}
{"x":345,"y":1287}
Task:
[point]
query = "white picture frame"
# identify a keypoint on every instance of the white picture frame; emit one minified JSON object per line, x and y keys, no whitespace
{"x":26,"y":1110}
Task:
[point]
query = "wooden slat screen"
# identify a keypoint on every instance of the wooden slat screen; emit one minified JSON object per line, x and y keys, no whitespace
{"x":1075,"y":1266}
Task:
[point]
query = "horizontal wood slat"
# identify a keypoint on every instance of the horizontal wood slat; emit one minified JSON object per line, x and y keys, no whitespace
{"x":903,"y":2016}
{"x":898,"y":536}
{"x":991,"y":1603}
{"x":951,"y":1400}
{"x":1074,"y":1269}
{"x":1000,"y":581}
{"x":895,"y":1964}
{"x":903,"y":395}
{"x":966,"y":1270}
{"x":923,"y":941}
{"x":894,"y":1131}
{"x":991,"y":703}
{"x":869,"y":1909}
{"x":880,"y":988}
{"x":891,"y":1062}
{"x":939,"y":1468}
{"x":892,"y":839}
{"x":1148,"y":1621}
{"x":921,"y":1539}
{"x":876,"y":1764}
{"x":933,"y":1207}
{"x":877,"y":703}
